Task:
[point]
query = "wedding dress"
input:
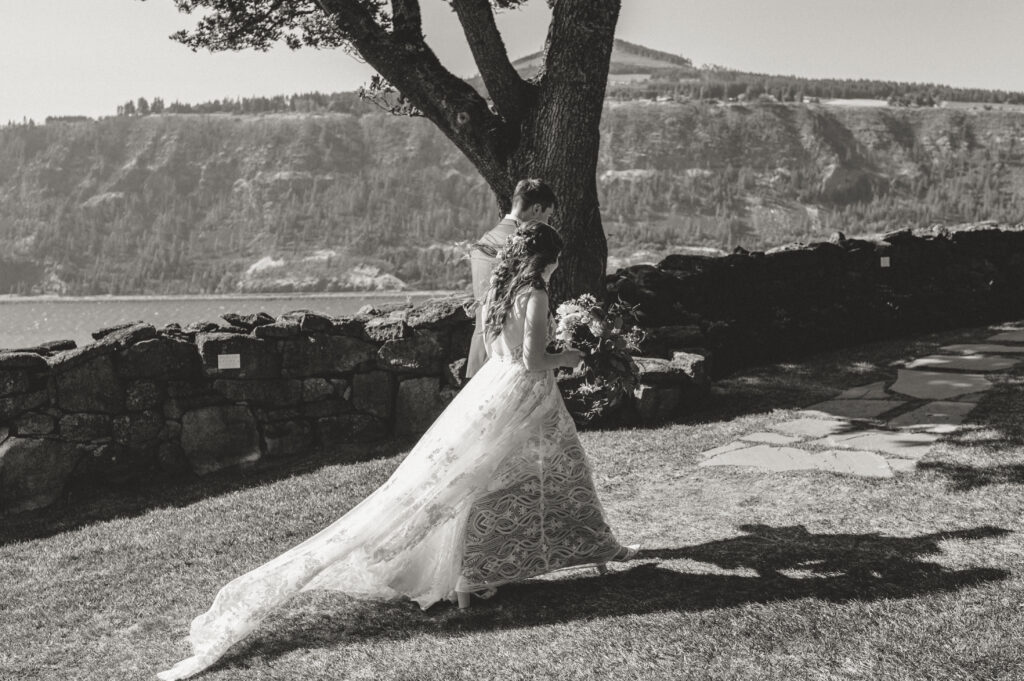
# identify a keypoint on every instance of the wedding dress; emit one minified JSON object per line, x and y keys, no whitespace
{"x":497,"y":490}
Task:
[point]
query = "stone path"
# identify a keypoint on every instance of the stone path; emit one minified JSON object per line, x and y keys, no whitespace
{"x":883,"y":428}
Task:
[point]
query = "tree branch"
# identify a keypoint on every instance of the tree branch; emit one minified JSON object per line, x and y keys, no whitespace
{"x":512,"y":96}
{"x":448,"y":101}
{"x":408,"y":22}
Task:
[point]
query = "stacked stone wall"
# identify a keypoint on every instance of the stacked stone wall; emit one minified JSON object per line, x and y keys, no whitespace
{"x":748,"y":308}
{"x":255,"y":390}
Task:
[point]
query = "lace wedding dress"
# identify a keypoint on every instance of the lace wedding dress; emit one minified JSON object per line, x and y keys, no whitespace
{"x":497,"y":490}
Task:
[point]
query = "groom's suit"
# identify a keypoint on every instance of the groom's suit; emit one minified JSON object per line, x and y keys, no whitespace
{"x":481,"y":262}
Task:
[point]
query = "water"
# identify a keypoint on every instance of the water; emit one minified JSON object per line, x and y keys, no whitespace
{"x":28,"y":321}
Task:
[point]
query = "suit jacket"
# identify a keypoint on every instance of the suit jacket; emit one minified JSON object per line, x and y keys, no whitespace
{"x":481,"y":265}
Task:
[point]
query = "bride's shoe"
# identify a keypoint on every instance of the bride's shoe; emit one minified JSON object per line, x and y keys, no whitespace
{"x":482,"y":594}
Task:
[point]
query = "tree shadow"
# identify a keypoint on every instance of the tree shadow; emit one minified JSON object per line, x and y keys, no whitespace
{"x":963,"y":478}
{"x":834,"y":568}
{"x":141,"y":496}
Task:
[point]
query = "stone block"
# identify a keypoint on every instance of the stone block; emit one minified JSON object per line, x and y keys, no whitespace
{"x":213,"y":438}
{"x":311,"y":322}
{"x":277,"y":415}
{"x":280,"y":392}
{"x":422,"y":353}
{"x":19,"y":404}
{"x":160,"y":359}
{"x":19,"y":381}
{"x":141,"y":395}
{"x":383,"y":329}
{"x":418,"y":403}
{"x":71,"y":359}
{"x":324,"y":355}
{"x":324,"y":408}
{"x":665,"y":373}
{"x":288,"y":438}
{"x":342,"y":388}
{"x":175,"y":406}
{"x":138,"y":430}
{"x":170,"y":458}
{"x":278,"y":330}
{"x":316,"y":389}
{"x":91,"y":387}
{"x":107,"y":330}
{"x":257,"y":358}
{"x":346,"y":326}
{"x":85,"y":427}
{"x":374,"y":392}
{"x":124,"y":337}
{"x":440,"y":312}
{"x":248,"y":321}
{"x":657,"y":404}
{"x":34,"y":472}
{"x":34,"y":423}
{"x":336,"y":431}
{"x":661,"y":341}
{"x":26,"y":361}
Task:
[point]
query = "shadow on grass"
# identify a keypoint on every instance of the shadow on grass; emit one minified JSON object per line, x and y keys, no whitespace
{"x":964,"y":478}
{"x":834,"y":568}
{"x":74,"y":512}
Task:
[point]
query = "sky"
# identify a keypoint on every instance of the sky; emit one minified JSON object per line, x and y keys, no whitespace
{"x":85,"y":57}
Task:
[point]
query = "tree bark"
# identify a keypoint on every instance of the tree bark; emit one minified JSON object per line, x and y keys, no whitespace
{"x":561,"y":146}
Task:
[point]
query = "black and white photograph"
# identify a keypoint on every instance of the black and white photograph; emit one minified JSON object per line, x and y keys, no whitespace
{"x":511,"y":340}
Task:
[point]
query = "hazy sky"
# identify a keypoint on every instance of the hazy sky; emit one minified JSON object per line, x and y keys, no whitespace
{"x":60,"y":57}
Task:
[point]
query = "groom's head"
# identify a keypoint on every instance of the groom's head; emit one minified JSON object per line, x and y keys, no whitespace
{"x":533,"y":200}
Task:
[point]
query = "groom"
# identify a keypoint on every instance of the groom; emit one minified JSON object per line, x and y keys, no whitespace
{"x":533,"y":200}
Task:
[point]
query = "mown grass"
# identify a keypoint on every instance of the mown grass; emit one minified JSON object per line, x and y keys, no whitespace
{"x":743,"y":575}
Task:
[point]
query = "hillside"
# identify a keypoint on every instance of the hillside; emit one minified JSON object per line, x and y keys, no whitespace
{"x":324,"y":192}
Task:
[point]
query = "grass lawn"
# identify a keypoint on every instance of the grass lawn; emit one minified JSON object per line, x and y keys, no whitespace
{"x":743,"y":575}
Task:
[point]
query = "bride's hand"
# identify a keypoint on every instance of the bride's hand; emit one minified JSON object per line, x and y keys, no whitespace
{"x":571,"y":358}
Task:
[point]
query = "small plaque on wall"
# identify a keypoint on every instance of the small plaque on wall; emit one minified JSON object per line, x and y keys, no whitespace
{"x":885,"y":261}
{"x":229,"y":361}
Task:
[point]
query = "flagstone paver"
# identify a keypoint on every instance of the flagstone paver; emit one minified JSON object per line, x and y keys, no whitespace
{"x":976,"y":348}
{"x":966,"y":362}
{"x":770,"y":438}
{"x":938,"y":385}
{"x":726,"y":448}
{"x":871,"y":391}
{"x":854,"y":409}
{"x":1013,"y":336}
{"x":846,"y":427}
{"x":813,"y":427}
{"x":934,"y":417}
{"x":766,"y":457}
{"x":902,"y":465}
{"x":898,"y":444}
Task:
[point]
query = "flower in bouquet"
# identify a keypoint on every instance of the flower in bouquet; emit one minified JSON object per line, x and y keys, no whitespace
{"x":605,"y":335}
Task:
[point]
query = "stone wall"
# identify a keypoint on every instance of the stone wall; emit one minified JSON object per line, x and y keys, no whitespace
{"x":747,"y":308}
{"x":251,"y":391}
{"x":142,"y":402}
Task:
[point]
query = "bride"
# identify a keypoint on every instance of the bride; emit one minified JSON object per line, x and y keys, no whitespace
{"x":497,"y":490}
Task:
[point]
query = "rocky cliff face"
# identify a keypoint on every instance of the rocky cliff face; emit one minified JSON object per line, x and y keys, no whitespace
{"x":190,"y":203}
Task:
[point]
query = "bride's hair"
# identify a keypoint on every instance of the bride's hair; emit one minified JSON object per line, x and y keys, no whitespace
{"x":521,"y":262}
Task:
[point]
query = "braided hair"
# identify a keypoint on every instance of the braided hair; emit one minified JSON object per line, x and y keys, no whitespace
{"x":521,"y":262}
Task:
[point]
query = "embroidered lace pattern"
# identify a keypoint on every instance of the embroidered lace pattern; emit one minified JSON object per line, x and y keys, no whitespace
{"x":497,"y":489}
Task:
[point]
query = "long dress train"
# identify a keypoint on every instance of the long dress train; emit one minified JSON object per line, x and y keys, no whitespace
{"x":497,"y":490}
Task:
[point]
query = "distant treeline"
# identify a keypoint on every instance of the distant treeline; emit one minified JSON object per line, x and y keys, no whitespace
{"x":725,"y":84}
{"x":176,"y":204}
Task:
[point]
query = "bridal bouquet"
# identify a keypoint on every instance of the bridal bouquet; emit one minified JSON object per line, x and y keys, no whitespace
{"x":605,"y":335}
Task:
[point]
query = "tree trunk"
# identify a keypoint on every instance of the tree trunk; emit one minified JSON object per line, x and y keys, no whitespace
{"x":560,"y":142}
